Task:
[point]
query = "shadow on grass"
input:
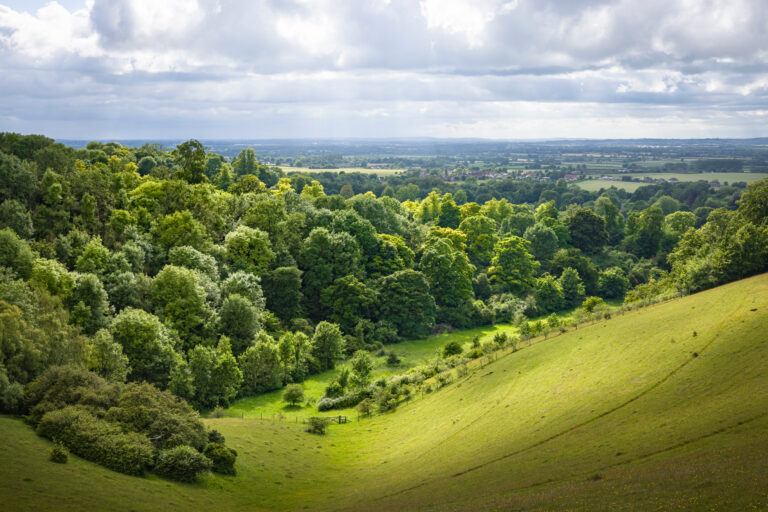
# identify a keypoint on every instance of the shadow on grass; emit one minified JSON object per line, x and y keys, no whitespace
{"x":292,"y":408}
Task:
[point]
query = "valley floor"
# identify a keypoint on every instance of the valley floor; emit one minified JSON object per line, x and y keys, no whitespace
{"x":664,"y":408}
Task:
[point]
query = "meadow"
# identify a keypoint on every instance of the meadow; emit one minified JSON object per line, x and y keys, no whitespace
{"x":661,"y":408}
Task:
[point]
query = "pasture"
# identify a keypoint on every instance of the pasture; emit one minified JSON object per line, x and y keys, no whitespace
{"x":662,"y":408}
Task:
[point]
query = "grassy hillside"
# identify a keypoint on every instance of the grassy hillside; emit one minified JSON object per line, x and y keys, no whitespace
{"x":662,"y":408}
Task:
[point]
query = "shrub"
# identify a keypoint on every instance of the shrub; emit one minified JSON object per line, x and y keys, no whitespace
{"x":218,"y":412}
{"x":333,"y":390}
{"x":452,"y":348}
{"x":58,"y":453}
{"x":214,"y":436}
{"x":342,"y":402}
{"x":365,"y":407}
{"x":317,"y":425}
{"x":392,"y":358}
{"x":475,"y":353}
{"x":97,"y":440}
{"x":182,"y":463}
{"x":500,"y":339}
{"x":223,"y":458}
{"x":293,"y":394}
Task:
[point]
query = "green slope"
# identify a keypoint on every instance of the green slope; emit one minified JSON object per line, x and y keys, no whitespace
{"x":633,"y":413}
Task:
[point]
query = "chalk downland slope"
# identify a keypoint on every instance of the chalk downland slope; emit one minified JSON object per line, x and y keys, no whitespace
{"x":659,"y":409}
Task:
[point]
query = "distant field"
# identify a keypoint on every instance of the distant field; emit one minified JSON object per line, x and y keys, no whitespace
{"x":663,"y":408}
{"x":363,"y":170}
{"x":730,"y":177}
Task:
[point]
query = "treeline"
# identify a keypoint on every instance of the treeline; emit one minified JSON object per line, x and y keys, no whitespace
{"x":215,"y":279}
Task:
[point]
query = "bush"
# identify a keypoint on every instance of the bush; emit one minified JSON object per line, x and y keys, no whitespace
{"x":97,"y":440}
{"x":500,"y":339}
{"x":334,"y":390}
{"x":452,"y":348}
{"x":218,"y":412}
{"x":317,"y":425}
{"x":392,"y":358}
{"x":214,"y":436}
{"x":365,"y":407}
{"x":58,"y":453}
{"x":223,"y":458}
{"x":182,"y":463}
{"x":342,"y":402}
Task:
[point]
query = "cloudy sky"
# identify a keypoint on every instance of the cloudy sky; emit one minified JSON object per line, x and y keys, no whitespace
{"x":384,"y":68}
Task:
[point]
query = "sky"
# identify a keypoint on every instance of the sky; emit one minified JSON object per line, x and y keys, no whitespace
{"x":500,"y":69}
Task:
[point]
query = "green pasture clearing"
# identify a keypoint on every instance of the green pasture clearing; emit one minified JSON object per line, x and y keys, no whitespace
{"x":411,"y":353}
{"x":363,"y":170}
{"x":662,"y":408}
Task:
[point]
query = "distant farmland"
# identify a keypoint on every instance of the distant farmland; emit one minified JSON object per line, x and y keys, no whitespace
{"x":363,"y":170}
{"x":631,"y":186}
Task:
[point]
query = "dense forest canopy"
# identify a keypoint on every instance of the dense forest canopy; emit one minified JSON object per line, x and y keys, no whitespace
{"x":197,"y":277}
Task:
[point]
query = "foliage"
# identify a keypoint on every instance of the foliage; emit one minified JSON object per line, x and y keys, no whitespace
{"x":222,"y":458}
{"x":293,"y":393}
{"x":182,"y":463}
{"x":58,"y":453}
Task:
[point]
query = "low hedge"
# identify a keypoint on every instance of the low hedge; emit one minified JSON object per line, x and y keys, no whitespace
{"x":344,"y":401}
{"x":96,"y":440}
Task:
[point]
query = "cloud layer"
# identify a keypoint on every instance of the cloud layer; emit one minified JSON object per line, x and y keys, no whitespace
{"x":345,"y":68}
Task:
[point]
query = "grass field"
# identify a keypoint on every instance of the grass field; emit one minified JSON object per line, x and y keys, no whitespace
{"x":629,"y":186}
{"x":411,"y":353}
{"x":664,"y":408}
{"x":363,"y":170}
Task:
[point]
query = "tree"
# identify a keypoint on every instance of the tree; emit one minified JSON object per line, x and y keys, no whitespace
{"x":178,"y":229}
{"x":512,"y":266}
{"x":249,"y":249}
{"x":613,"y":283}
{"x":614,"y":222}
{"x":324,"y":258}
{"x":680,"y":222}
{"x":362,"y":367}
{"x":15,"y":253}
{"x":88,"y":303}
{"x":405,"y":302}
{"x":543,"y":241}
{"x":573,"y":258}
{"x":587,"y":230}
{"x":246,"y":285}
{"x":449,"y":275}
{"x":147,"y":343}
{"x":240,"y":321}
{"x":261,"y":366}
{"x":282,"y":289}
{"x":94,"y":258}
{"x":753,"y":205}
{"x":452,"y":348}
{"x":328,"y":345}
{"x":215,"y":374}
{"x":181,"y":302}
{"x":350,"y":300}
{"x":106,"y":357}
{"x":14,"y":215}
{"x":293,"y":394}
{"x":573,"y":287}
{"x":481,"y":238}
{"x":52,"y":276}
{"x":190,"y":156}
{"x":549,"y":294}
{"x":450,"y":215}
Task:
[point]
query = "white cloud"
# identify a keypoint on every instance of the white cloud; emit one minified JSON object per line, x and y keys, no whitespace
{"x":386,"y":67}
